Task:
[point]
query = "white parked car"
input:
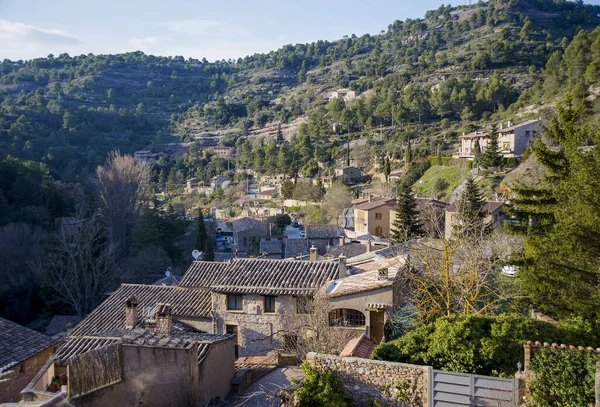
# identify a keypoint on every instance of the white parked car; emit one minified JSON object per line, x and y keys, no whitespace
{"x":510,"y":270}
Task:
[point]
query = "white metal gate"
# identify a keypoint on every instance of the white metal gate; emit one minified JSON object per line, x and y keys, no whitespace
{"x":451,"y":389}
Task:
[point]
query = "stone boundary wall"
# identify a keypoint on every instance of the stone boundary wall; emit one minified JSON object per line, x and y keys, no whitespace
{"x":390,"y":383}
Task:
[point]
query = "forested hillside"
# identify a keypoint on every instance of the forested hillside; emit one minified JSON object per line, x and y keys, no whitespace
{"x":441,"y":73}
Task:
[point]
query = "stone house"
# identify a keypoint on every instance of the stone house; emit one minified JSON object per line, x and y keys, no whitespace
{"x":267,"y":194}
{"x":346,"y":94}
{"x":272,"y":247}
{"x":513,"y":139}
{"x":349,"y":175}
{"x":372,"y":215}
{"x":146,"y":156}
{"x":325,"y":236}
{"x":493,"y":216}
{"x":247,"y":233}
{"x":22,"y":354}
{"x":150,"y":359}
{"x":219,"y":181}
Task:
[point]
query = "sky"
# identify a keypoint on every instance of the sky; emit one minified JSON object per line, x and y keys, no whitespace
{"x":211,"y":29}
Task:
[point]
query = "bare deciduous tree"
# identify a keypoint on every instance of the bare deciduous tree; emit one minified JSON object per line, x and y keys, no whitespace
{"x":79,"y":264}
{"x":123,"y":184}
{"x":460,"y":275}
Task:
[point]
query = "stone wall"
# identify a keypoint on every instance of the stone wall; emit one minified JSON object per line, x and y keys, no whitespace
{"x":386,"y":382}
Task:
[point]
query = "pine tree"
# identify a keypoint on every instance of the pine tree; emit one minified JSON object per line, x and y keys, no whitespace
{"x":406,"y":225}
{"x":387,"y":169}
{"x":202,"y":236}
{"x":491,"y":158}
{"x":469,"y":211}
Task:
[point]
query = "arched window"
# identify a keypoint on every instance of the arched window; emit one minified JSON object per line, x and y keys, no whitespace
{"x":346,"y":317}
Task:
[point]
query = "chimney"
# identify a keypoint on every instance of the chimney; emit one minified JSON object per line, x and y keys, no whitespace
{"x":368,"y":245}
{"x":342,"y":267}
{"x":131,"y":314}
{"x":369,"y":197}
{"x":164,"y":318}
{"x":382,"y":274}
{"x":313,"y":253}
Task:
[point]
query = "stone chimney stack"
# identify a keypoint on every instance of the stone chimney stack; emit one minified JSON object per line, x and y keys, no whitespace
{"x":368,"y":245}
{"x":370,"y":197}
{"x":164,"y":318}
{"x":131,"y":312}
{"x":313,"y":253}
{"x":342,"y":269}
{"x":382,"y":274}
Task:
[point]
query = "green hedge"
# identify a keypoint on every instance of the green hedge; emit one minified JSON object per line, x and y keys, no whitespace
{"x":475,"y":344}
{"x":563,"y":378}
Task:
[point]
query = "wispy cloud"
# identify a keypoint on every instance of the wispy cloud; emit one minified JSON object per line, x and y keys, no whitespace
{"x":21,"y":34}
{"x":206,"y":28}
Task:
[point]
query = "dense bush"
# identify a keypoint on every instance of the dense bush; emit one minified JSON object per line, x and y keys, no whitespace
{"x":321,"y":388}
{"x":475,"y":344}
{"x":563,"y":378}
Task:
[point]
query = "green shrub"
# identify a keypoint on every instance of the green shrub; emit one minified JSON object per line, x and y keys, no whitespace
{"x":475,"y":344}
{"x":563,"y":378}
{"x":321,"y":388}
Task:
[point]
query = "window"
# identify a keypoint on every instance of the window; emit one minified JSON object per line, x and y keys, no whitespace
{"x":269,"y":304}
{"x":346,"y":318}
{"x":302,"y":305}
{"x":378,"y":215}
{"x":234,"y":302}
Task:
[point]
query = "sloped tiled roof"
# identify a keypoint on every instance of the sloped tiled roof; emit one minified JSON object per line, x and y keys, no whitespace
{"x":18,"y":343}
{"x":324,"y":232}
{"x":203,"y":274}
{"x":110,"y":315}
{"x":360,"y":347}
{"x":276,"y":277}
{"x":373,"y":203}
{"x":61,"y":323}
{"x":138,"y":336}
{"x":242,"y":224}
{"x":296,"y":247}
{"x":270,"y":246}
{"x":366,"y":281}
{"x":348,"y":250}
{"x":488,"y":207}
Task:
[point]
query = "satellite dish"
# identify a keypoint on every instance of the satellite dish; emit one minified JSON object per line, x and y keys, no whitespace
{"x":196,"y":254}
{"x":168,"y":273}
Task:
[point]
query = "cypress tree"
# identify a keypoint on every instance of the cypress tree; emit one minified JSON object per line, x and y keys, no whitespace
{"x":408,"y":152}
{"x":477,"y":154}
{"x":491,"y":158}
{"x":387,"y":169}
{"x":406,"y":225}
{"x":209,"y":251}
{"x":202,"y":236}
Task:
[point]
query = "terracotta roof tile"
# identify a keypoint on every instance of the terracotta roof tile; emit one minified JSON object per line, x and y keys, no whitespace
{"x":110,"y":315}
{"x":276,"y":277}
{"x":203,"y":274}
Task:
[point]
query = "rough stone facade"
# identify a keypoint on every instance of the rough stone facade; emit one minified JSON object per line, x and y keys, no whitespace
{"x":19,"y":376}
{"x":258,"y":332}
{"x":392,"y":384}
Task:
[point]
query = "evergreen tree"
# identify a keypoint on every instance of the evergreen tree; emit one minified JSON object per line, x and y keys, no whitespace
{"x":387,"y":169}
{"x":408,"y":152}
{"x":477,"y":154}
{"x":209,"y":251}
{"x":469,"y":210}
{"x":202,"y":236}
{"x":491,"y":158}
{"x":406,"y":225}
